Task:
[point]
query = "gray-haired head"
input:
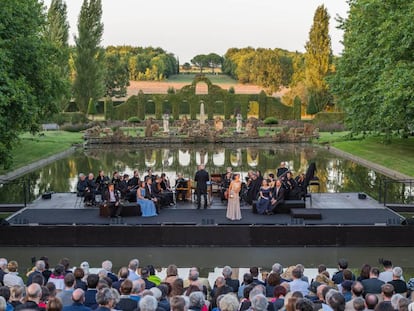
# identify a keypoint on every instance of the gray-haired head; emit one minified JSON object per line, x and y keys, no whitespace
{"x":397,"y":272}
{"x":148,"y":303}
{"x":277,"y":268}
{"x":229,"y":302}
{"x":259,"y":302}
{"x":107,"y":265}
{"x":104,"y":296}
{"x":133,"y":264}
{"x":196,"y":300}
{"x":227,"y":271}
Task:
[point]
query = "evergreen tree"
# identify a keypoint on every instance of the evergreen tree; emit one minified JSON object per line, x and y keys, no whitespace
{"x":89,"y":60}
{"x":57,"y":31}
{"x":318,"y":58}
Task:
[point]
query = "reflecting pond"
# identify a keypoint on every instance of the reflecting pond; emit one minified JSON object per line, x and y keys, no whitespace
{"x":335,"y":174}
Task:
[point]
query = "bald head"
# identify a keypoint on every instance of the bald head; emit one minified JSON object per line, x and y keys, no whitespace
{"x":34,"y":292}
{"x":78,"y":295}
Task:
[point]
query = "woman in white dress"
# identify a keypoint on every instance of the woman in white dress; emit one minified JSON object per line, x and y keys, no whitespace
{"x":233,"y":205}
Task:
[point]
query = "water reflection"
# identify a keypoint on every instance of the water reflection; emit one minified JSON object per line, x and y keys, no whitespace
{"x":335,"y":174}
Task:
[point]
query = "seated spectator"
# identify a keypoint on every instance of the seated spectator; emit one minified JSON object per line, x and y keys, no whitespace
{"x":33,"y":296}
{"x":272,"y":281}
{"x":400,"y":286}
{"x":12,"y":278}
{"x":279,"y":294}
{"x":228,"y":302}
{"x":126,"y":303}
{"x":373,"y":284}
{"x":57,"y":277}
{"x":105,"y":299}
{"x":78,"y":299}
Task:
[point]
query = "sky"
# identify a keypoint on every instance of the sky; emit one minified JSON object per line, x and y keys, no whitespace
{"x":190,"y":27}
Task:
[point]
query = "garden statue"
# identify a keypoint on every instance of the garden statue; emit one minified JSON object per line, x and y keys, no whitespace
{"x":239,"y":119}
{"x":165,"y":122}
{"x":202,"y":114}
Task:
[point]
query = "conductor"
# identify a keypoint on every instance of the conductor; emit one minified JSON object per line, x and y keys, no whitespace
{"x":201,"y":177}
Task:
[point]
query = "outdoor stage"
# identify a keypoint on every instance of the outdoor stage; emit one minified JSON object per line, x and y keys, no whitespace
{"x":329,"y":219}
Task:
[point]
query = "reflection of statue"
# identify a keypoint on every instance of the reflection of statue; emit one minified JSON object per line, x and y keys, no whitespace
{"x":165,"y":122}
{"x":239,"y":119}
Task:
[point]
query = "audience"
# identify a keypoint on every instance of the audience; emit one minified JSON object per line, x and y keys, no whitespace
{"x":293,"y":293}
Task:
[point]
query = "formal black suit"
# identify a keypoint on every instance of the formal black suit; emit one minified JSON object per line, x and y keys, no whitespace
{"x":201,"y":177}
{"x":114,"y":206}
{"x":278,"y":197}
{"x":150,"y":194}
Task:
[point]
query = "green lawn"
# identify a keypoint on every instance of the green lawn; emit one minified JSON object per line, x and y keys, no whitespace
{"x":397,"y":155}
{"x":188,"y":78}
{"x":36,"y":147}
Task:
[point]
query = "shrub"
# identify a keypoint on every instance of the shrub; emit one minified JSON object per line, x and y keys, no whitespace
{"x":232,"y":90}
{"x":271,"y":120}
{"x":134,"y":120}
{"x":75,"y":127}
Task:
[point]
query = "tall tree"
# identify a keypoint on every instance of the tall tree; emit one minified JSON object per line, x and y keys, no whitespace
{"x":374,"y":77}
{"x":29,"y":85}
{"x":214,"y":61}
{"x":116,"y":78}
{"x":89,"y":60}
{"x":318,"y":58}
{"x":57,"y":31}
{"x":200,"y":61}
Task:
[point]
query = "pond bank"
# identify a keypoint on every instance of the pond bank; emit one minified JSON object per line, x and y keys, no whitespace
{"x":376,"y":167}
{"x":35,"y":165}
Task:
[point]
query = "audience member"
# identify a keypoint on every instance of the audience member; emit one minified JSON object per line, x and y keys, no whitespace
{"x":78,"y":299}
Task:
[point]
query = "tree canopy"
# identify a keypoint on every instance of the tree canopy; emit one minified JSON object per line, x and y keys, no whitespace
{"x":30,"y":85}
{"x":374,"y":77}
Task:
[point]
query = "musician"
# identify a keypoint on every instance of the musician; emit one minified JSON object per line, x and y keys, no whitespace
{"x":132,"y":186}
{"x":150,"y":193}
{"x":90,"y":190}
{"x":225,"y":183}
{"x":81,"y":185}
{"x":166,"y":192}
{"x":112,"y":199}
{"x":181,"y":186}
{"x":278,"y":197}
{"x":201,"y":177}
{"x":289,"y":183}
{"x":101,"y":182}
{"x":116,"y":180}
{"x":282,"y":169}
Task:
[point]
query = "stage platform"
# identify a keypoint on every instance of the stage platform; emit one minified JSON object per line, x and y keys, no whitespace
{"x":328,"y":219}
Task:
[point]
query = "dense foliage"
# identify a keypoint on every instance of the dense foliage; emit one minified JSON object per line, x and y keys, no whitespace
{"x":268,"y":68}
{"x":375,"y":75}
{"x":89,"y":57}
{"x":145,"y":63}
{"x":30,"y":85}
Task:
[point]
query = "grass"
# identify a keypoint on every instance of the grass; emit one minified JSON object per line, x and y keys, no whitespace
{"x":215,"y":79}
{"x":397,"y":155}
{"x":35,"y":147}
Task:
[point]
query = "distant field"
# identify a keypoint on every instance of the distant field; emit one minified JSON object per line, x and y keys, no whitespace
{"x":188,"y":78}
{"x":179,"y":81}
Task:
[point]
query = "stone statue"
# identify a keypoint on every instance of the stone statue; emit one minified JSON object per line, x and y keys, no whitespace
{"x":218,"y":124}
{"x":202,"y":114}
{"x":166,"y":122}
{"x":148,"y":127}
{"x":239,"y":123}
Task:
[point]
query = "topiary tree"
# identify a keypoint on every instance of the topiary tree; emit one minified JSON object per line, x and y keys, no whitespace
{"x":108,"y":108}
{"x":297,"y":108}
{"x":91,"y":108}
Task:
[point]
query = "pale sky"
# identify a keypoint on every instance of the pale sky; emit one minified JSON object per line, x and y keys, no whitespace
{"x":190,"y":27}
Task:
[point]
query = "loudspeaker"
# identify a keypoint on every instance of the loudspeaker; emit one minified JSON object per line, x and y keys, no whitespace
{"x":47,"y":195}
{"x":362,"y":196}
